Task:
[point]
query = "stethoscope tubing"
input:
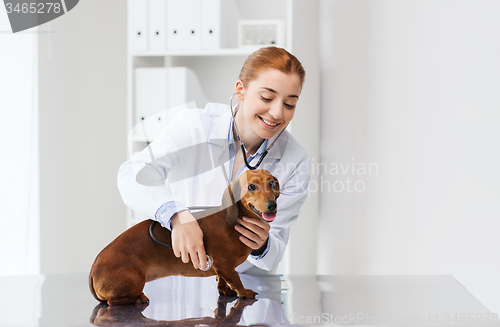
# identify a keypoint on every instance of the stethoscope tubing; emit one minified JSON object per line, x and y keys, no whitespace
{"x":243,"y":148}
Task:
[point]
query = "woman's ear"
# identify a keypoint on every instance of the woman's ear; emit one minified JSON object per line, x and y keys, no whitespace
{"x":230,"y":200}
{"x":239,"y":89}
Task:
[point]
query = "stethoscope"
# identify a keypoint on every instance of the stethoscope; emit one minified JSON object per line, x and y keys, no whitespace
{"x":243,"y":151}
{"x":243,"y":148}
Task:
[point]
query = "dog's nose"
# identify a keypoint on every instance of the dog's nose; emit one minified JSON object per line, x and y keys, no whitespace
{"x":271,"y":205}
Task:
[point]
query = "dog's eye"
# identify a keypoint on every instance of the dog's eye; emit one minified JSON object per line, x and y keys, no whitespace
{"x":252,"y":187}
{"x":272,"y":184}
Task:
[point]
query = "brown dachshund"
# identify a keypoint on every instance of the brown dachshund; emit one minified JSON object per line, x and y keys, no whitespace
{"x":121,"y":270}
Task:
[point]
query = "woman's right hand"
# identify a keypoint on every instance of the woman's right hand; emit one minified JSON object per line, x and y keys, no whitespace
{"x":187,"y":239}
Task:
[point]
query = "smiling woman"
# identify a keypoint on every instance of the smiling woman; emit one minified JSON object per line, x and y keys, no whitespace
{"x":268,"y":90}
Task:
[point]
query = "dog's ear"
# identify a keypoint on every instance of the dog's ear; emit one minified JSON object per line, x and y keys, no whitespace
{"x":276,"y":187}
{"x":230,"y":200}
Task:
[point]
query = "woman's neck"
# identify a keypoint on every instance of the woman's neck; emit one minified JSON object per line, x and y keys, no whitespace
{"x":252,"y":141}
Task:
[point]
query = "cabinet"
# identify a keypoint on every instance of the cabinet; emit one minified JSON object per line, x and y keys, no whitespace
{"x":217,"y":68}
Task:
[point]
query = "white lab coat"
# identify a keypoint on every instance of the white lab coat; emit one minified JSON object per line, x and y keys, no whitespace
{"x":163,"y":173}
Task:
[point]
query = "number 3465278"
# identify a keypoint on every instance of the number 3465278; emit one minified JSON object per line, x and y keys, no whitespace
{"x":33,"y":8}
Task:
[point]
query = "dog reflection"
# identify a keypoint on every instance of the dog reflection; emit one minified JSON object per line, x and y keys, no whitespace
{"x":131,"y":315}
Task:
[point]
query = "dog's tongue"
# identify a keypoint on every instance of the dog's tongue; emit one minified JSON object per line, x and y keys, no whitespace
{"x":269,"y":216}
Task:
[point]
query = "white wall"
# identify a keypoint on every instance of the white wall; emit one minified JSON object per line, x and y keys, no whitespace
{"x":82,"y":82}
{"x":19,"y":220}
{"x":413,"y":87}
{"x":304,"y":127}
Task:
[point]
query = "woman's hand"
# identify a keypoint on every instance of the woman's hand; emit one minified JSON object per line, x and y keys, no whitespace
{"x":187,"y":239}
{"x":255,"y":233}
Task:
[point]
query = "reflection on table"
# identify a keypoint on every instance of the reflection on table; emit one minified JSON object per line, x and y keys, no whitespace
{"x":185,"y":301}
{"x":65,"y":300}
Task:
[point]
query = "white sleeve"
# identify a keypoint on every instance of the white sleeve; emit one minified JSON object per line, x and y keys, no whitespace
{"x":293,"y":194}
{"x":142,"y":179}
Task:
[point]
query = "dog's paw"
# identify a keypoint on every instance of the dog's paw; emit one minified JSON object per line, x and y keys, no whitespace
{"x":142,"y":302}
{"x":247,"y":294}
{"x":227,"y":292}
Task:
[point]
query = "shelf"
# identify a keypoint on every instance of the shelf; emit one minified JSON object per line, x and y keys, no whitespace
{"x":218,"y":70}
{"x":137,"y":138}
{"x":197,"y":53}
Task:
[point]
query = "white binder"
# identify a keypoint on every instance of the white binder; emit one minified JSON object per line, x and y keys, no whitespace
{"x":210,"y":24}
{"x":150,"y":92}
{"x":158,"y":89}
{"x":157,"y":25}
{"x":191,"y":13}
{"x":174,"y":24}
{"x":138,"y":25}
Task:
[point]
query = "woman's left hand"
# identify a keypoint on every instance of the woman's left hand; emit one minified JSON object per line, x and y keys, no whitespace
{"x":255,"y":233}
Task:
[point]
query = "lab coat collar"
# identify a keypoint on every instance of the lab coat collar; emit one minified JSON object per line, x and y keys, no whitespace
{"x":221,"y":129}
{"x":274,"y":153}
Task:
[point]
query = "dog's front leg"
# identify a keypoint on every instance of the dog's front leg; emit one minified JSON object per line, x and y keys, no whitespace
{"x":223,"y":288}
{"x":233,"y":280}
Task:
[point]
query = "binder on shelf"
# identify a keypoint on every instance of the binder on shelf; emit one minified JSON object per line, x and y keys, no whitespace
{"x":191,"y":24}
{"x":150,"y":92}
{"x":210,"y":24}
{"x":174,"y":24}
{"x":138,"y":25}
{"x":157,"y":25}
{"x":159,"y":93}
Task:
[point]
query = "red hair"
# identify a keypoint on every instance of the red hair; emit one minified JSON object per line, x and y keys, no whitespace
{"x":271,"y":58}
